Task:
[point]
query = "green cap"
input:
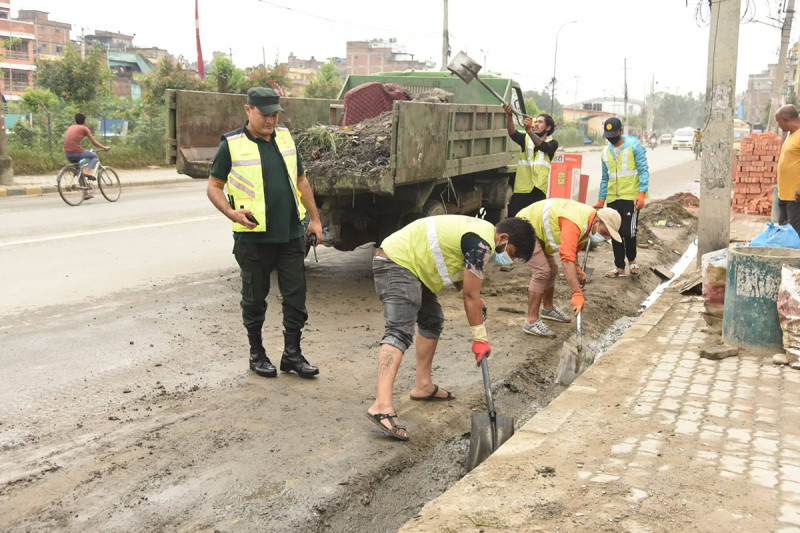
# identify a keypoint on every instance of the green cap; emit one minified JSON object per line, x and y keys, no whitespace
{"x":266,"y":100}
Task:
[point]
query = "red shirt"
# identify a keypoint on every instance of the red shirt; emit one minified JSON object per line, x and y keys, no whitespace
{"x":73,"y":138}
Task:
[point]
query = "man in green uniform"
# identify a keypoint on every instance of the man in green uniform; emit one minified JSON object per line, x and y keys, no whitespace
{"x":415,"y":263}
{"x":268,"y":197}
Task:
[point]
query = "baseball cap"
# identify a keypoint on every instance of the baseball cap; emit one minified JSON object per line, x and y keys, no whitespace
{"x":266,"y":100}
{"x":612,"y":220}
{"x":611,"y":127}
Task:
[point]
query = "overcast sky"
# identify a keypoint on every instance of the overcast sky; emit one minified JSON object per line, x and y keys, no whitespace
{"x":662,"y":40}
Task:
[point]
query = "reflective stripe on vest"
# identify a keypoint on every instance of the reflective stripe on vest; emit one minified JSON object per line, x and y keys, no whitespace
{"x":544,"y":216}
{"x":623,"y":174}
{"x":532,"y":172}
{"x":245,"y":179}
{"x":438,"y":257}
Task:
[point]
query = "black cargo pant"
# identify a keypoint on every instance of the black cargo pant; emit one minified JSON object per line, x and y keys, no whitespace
{"x":257,"y":261}
{"x":789,"y":211}
{"x":627,"y":230}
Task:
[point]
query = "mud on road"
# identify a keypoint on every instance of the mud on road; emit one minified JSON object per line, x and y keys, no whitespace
{"x":179,"y":435}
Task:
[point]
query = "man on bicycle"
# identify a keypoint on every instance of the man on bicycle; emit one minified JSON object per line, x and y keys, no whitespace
{"x":73,"y":149}
{"x":697,"y":143}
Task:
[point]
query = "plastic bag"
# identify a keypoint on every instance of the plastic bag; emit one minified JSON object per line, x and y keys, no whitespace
{"x":789,"y":309}
{"x":777,"y":237}
{"x":715,"y":270}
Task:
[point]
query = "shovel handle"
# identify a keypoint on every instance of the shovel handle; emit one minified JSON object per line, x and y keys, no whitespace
{"x":487,"y":387}
{"x":497,"y":95}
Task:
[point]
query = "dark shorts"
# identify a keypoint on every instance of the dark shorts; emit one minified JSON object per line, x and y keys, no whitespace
{"x":405,"y":301}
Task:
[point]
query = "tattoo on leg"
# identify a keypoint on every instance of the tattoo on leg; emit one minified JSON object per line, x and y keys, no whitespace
{"x":385,"y":359}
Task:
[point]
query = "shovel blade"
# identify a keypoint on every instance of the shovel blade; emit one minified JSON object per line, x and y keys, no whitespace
{"x":574,"y":362}
{"x":481,"y":443}
{"x":464,"y":67}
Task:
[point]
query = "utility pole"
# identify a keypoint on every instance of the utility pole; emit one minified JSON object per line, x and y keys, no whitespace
{"x":445,"y":39}
{"x":714,"y":227}
{"x":777,"y":87}
{"x":626,"y":96}
{"x":83,"y":46}
{"x":651,"y":115}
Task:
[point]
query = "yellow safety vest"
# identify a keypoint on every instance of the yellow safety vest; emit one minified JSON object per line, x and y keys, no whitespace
{"x":431,"y":247}
{"x":532,"y":172}
{"x":246,"y":182}
{"x":623,"y":175}
{"x":544,"y":216}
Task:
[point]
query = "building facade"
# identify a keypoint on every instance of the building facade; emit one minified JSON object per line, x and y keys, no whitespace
{"x":111,"y":40}
{"x":50,"y":37}
{"x":17,"y":62}
{"x":758,"y":95}
{"x":372,"y":57}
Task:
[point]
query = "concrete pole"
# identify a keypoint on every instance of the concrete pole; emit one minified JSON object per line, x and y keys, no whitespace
{"x":626,"y":97}
{"x":777,"y":86}
{"x":445,"y":39}
{"x":714,"y":227}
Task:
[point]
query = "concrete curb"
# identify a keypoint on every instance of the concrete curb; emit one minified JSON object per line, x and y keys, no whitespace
{"x":30,"y":190}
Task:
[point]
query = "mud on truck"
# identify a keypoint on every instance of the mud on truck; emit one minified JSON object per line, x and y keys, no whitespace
{"x":453,"y":157}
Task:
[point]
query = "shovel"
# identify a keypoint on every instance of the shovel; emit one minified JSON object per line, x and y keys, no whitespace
{"x":574,"y":360}
{"x":489,"y":430}
{"x":586,"y":271}
{"x":467,"y":69}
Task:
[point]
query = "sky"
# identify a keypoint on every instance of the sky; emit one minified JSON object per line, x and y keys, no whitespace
{"x":664,"y":42}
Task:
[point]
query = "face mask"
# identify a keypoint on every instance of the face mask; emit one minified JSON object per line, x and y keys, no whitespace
{"x":613,"y":140}
{"x":597,"y":238}
{"x":502,"y":258}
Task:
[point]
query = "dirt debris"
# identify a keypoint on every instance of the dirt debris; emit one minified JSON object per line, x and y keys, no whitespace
{"x":363,"y":149}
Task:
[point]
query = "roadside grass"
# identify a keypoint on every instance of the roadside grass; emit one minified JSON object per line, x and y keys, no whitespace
{"x":36,"y":161}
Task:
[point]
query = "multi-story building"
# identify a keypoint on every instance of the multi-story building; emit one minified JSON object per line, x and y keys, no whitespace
{"x":50,"y":37}
{"x":17,"y":62}
{"x":758,"y":95}
{"x":153,"y":54}
{"x":302,"y":71}
{"x":370,"y":57}
{"x":111,"y":40}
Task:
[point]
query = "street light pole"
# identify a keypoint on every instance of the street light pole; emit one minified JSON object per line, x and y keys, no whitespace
{"x":555,"y":56}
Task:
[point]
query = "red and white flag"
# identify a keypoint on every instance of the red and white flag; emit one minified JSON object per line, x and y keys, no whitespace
{"x":200,"y":68}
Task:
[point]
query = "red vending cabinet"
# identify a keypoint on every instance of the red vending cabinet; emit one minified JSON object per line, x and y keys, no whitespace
{"x":565,"y":177}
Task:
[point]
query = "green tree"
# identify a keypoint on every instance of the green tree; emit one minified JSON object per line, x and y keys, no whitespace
{"x":326,"y":84}
{"x":74,"y":79}
{"x":276,"y":76}
{"x":675,"y":111}
{"x":225,"y":76}
{"x":542,"y":100}
{"x":165,"y":76}
{"x":36,"y":99}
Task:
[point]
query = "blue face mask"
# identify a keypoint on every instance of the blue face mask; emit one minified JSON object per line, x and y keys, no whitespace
{"x":502,"y":258}
{"x":597,"y":238}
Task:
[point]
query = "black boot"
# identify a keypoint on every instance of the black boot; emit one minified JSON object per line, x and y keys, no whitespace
{"x":259,"y":362}
{"x":293,"y":360}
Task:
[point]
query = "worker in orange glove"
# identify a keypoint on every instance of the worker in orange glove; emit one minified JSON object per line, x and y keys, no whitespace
{"x":565,"y":227}
{"x":623,"y":187}
{"x":412,"y":265}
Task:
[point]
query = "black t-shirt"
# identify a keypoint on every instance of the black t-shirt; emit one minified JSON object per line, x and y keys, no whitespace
{"x":282,"y":222}
{"x":548,"y":147}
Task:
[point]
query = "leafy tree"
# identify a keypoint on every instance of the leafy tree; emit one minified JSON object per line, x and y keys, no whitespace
{"x":326,"y":84}
{"x":35,"y":99}
{"x":166,"y":75}
{"x":276,"y":76}
{"x":675,"y":111}
{"x":542,"y":100}
{"x":225,"y":76}
{"x":74,"y":79}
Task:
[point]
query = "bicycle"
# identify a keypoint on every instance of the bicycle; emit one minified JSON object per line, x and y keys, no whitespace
{"x":74,"y":187}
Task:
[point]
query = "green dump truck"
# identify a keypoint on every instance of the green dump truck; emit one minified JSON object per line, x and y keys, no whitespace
{"x":445,"y":157}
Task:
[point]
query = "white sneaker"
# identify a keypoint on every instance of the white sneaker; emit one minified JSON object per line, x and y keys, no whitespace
{"x":539,"y":329}
{"x":555,"y":314}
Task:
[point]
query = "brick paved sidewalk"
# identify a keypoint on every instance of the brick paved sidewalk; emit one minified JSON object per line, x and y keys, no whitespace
{"x":651,"y":438}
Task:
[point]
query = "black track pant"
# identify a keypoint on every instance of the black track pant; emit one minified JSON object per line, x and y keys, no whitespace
{"x":626,"y":248}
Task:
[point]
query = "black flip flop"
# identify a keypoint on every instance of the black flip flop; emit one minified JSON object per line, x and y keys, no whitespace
{"x":433,"y":398}
{"x":394,"y":431}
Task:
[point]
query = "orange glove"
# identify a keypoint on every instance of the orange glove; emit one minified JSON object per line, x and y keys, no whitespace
{"x":578,"y":303}
{"x":639,"y":202}
{"x":481,"y":349}
{"x":600,"y":203}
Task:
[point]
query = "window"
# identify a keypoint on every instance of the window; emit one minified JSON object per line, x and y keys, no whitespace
{"x":59,"y":49}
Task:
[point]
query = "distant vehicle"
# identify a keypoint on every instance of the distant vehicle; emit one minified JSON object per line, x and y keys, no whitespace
{"x":683,"y":138}
{"x":666,"y":138}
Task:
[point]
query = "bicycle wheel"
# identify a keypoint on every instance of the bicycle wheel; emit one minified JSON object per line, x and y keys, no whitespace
{"x":109,"y":183}
{"x":71,"y":186}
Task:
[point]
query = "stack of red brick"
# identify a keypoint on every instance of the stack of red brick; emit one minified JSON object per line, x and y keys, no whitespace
{"x":756,"y":173}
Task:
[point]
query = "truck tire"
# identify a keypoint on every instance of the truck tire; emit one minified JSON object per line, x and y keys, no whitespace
{"x":433,"y":207}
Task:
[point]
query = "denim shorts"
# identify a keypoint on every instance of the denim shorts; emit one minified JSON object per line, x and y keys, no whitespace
{"x":405,"y":301}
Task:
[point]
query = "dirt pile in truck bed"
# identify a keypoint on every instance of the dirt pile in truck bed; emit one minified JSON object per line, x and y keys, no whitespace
{"x":362,"y":149}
